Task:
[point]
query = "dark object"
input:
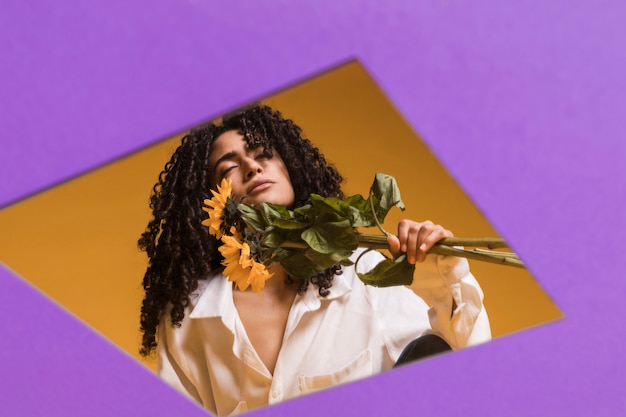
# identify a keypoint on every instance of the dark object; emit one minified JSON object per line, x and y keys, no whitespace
{"x":421,"y":348}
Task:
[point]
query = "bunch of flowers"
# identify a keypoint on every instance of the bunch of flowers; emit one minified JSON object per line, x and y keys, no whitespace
{"x":312,"y":238}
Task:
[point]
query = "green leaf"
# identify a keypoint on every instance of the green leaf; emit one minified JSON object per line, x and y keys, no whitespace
{"x":252,"y":217}
{"x":327,"y":237}
{"x":289,"y":224}
{"x":354,"y":208}
{"x":297,"y":264}
{"x":303,"y":264}
{"x":301,"y":213}
{"x":272,"y":237}
{"x":384,"y":195}
{"x":272,"y":212}
{"x":275,"y":238}
{"x":326,"y":260}
{"x":389,"y":273}
{"x":340,"y":208}
{"x":360,"y":211}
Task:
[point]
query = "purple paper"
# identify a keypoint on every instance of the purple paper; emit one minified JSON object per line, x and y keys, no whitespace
{"x":523,"y":102}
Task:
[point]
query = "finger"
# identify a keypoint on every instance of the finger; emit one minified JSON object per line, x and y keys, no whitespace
{"x":431,"y":236}
{"x":394,"y":245}
{"x":422,"y":245}
{"x":412,"y":240}
{"x":403,"y":232}
{"x":408,"y":233}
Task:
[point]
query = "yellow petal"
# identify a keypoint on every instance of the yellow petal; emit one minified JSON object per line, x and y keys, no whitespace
{"x":215,"y":207}
{"x":238,"y":275}
{"x":245,"y":260}
{"x":258,"y":275}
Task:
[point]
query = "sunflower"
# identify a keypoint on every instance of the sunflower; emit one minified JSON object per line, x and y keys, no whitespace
{"x":216,"y":207}
{"x":240,"y":267}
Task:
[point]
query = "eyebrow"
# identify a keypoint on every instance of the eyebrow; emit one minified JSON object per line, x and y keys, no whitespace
{"x":225,"y":157}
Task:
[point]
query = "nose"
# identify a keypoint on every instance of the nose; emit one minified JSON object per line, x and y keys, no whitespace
{"x":253,"y":168}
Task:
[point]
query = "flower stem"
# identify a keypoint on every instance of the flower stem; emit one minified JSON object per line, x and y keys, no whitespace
{"x":449,"y":246}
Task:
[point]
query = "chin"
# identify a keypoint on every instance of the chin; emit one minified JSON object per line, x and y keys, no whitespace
{"x":279,"y":200}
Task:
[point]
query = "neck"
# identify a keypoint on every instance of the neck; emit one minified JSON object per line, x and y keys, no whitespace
{"x":277,"y":284}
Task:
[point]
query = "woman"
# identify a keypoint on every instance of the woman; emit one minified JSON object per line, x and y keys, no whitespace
{"x":233,"y":350}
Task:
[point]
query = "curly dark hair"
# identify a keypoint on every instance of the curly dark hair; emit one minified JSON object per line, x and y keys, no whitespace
{"x":179,"y":247}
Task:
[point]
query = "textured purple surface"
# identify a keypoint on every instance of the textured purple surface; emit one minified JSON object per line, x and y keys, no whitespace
{"x":53,"y":365}
{"x":524,"y":102}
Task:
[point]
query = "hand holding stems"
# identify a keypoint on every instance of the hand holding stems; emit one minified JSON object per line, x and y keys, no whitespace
{"x":415,"y":239}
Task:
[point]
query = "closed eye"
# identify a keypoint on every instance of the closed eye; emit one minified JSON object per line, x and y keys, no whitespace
{"x":266,"y":154}
{"x":226,"y":170}
{"x":224,"y":164}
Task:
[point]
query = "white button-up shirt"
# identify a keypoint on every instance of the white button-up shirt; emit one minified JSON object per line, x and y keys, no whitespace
{"x":354,"y":332}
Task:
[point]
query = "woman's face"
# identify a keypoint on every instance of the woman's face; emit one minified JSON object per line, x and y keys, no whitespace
{"x":258,"y":175}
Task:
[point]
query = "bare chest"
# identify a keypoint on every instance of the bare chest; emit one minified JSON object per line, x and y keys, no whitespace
{"x":264,"y":319}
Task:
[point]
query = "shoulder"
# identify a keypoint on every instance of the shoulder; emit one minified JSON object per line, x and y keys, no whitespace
{"x":205,"y":284}
{"x":210,"y":289}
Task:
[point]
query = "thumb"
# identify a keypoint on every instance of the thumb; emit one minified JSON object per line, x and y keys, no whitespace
{"x":394,"y":245}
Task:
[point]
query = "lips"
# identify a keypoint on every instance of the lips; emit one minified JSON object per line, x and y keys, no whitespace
{"x":258,"y":186}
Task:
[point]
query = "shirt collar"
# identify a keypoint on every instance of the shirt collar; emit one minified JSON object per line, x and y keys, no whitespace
{"x":313,"y":300}
{"x":213,"y":298}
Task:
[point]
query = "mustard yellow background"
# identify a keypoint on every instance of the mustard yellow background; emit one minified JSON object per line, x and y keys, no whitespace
{"x":77,"y":241}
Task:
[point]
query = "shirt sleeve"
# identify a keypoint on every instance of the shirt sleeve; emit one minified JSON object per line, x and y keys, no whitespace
{"x":444,"y":282}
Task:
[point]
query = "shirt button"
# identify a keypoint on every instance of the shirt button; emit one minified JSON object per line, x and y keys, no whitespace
{"x":275,"y":394}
